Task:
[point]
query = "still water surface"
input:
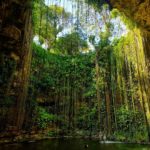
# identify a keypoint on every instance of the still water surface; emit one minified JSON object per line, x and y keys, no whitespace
{"x":72,"y":144}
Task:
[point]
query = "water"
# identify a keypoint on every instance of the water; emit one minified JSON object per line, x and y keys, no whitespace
{"x":72,"y":144}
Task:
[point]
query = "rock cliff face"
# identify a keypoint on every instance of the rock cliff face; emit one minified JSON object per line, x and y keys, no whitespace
{"x":139,"y":12}
{"x":15,"y":56}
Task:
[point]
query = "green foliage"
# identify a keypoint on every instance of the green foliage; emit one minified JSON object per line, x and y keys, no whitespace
{"x":44,"y":118}
{"x":67,"y":82}
{"x":47,"y":20}
{"x":115,"y":13}
{"x":70,"y":44}
{"x":7,"y":102}
{"x":87,"y":116}
{"x":97,"y":4}
{"x":130,"y":125}
{"x":51,"y":134}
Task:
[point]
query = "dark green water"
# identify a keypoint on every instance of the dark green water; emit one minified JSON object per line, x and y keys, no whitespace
{"x":72,"y":144}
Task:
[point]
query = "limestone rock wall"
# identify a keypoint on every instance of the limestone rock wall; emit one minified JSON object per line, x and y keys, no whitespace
{"x":139,"y":12}
{"x":15,"y":56}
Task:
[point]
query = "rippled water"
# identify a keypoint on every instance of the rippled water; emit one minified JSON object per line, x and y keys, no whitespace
{"x":72,"y":144}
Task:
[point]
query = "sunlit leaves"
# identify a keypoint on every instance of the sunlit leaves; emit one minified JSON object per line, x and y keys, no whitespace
{"x":70,"y":44}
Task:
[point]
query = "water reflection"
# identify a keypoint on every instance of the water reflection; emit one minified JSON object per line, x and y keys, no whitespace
{"x":73,"y":144}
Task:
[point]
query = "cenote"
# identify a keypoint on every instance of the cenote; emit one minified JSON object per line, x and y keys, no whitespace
{"x":74,"y":68}
{"x":72,"y":144}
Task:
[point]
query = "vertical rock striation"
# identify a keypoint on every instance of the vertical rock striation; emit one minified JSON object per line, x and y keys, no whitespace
{"x":15,"y":54}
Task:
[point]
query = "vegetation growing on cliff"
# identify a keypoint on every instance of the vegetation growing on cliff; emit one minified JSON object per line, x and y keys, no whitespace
{"x":98,"y":93}
{"x":89,"y":74}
